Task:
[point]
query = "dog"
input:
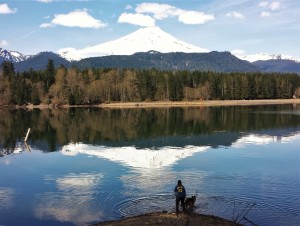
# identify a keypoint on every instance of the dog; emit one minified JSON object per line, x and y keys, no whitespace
{"x":190,"y":202}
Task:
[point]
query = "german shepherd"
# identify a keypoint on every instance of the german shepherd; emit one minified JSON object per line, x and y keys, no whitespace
{"x":189,"y":202}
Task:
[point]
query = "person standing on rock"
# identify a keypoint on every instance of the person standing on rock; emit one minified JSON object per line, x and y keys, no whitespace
{"x":180,"y":195}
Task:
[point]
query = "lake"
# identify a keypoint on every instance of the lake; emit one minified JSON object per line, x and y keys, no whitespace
{"x":84,"y":165}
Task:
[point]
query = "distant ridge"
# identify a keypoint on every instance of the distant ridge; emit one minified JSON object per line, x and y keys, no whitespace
{"x":39,"y":62}
{"x":212,"y":61}
{"x":284,"y":66}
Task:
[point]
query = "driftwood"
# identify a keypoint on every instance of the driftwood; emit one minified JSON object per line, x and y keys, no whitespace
{"x":237,"y":218}
{"x":27,"y":134}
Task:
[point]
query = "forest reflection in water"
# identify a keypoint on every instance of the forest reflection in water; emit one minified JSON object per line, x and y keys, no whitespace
{"x":157,"y":127}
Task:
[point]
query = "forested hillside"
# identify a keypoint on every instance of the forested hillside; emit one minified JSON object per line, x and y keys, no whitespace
{"x":278,"y":66}
{"x":94,"y":86}
{"x":39,"y":62}
{"x":212,"y":61}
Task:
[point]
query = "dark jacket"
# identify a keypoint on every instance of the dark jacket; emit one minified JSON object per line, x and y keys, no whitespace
{"x":179,"y":191}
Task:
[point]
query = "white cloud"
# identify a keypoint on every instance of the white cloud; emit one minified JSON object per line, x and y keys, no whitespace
{"x":159,"y":11}
{"x":238,"y":52}
{"x":6,"y":198}
{"x":265,"y":14}
{"x":193,"y":17}
{"x":4,"y":9}
{"x":3,"y":43}
{"x":274,"y":6}
{"x":128,"y":7}
{"x":137,"y":19}
{"x":46,"y":25}
{"x":45,"y":1}
{"x":77,"y":18}
{"x":268,"y":6}
{"x":235,"y":14}
{"x":163,"y":11}
{"x":263,"y":4}
{"x":72,"y":201}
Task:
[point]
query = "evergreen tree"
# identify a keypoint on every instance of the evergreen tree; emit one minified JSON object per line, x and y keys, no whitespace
{"x":8,"y":69}
{"x":49,"y":77}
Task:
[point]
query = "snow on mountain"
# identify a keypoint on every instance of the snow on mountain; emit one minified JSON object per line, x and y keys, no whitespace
{"x":13,"y":56}
{"x":142,"y":40}
{"x":137,"y":158}
{"x":265,"y":56}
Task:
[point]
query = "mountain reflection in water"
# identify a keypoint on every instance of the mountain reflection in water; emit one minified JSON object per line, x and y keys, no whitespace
{"x":162,"y":157}
{"x":130,"y":156}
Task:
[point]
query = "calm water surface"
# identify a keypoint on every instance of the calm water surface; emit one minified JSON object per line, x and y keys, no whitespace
{"x":87,"y":165}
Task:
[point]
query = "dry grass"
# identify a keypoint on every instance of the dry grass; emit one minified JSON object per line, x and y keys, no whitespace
{"x":199,"y":103}
{"x":161,"y":104}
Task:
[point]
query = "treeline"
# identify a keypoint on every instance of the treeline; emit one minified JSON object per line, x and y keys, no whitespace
{"x":94,"y":86}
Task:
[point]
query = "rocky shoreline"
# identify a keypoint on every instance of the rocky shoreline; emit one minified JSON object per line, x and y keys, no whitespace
{"x":170,"y":219}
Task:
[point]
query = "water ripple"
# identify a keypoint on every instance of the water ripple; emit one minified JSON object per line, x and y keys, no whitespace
{"x":143,"y":204}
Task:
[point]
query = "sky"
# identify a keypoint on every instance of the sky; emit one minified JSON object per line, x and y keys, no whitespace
{"x":240,"y":26}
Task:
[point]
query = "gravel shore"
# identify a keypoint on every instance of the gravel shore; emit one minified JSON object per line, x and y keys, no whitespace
{"x":170,"y":219}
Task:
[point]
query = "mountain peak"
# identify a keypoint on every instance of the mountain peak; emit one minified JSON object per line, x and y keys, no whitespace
{"x":12,"y":56}
{"x":150,"y":31}
{"x":154,"y":29}
{"x":142,"y":40}
{"x":266,"y":56}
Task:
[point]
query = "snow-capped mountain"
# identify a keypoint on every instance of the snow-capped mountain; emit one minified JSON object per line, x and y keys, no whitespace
{"x":265,"y":56}
{"x":142,"y":40}
{"x":12,"y":56}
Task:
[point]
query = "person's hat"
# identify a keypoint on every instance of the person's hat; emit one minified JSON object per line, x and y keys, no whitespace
{"x":179,"y":182}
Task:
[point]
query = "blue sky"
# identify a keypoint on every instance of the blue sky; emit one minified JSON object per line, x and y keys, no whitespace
{"x":247,"y":26}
